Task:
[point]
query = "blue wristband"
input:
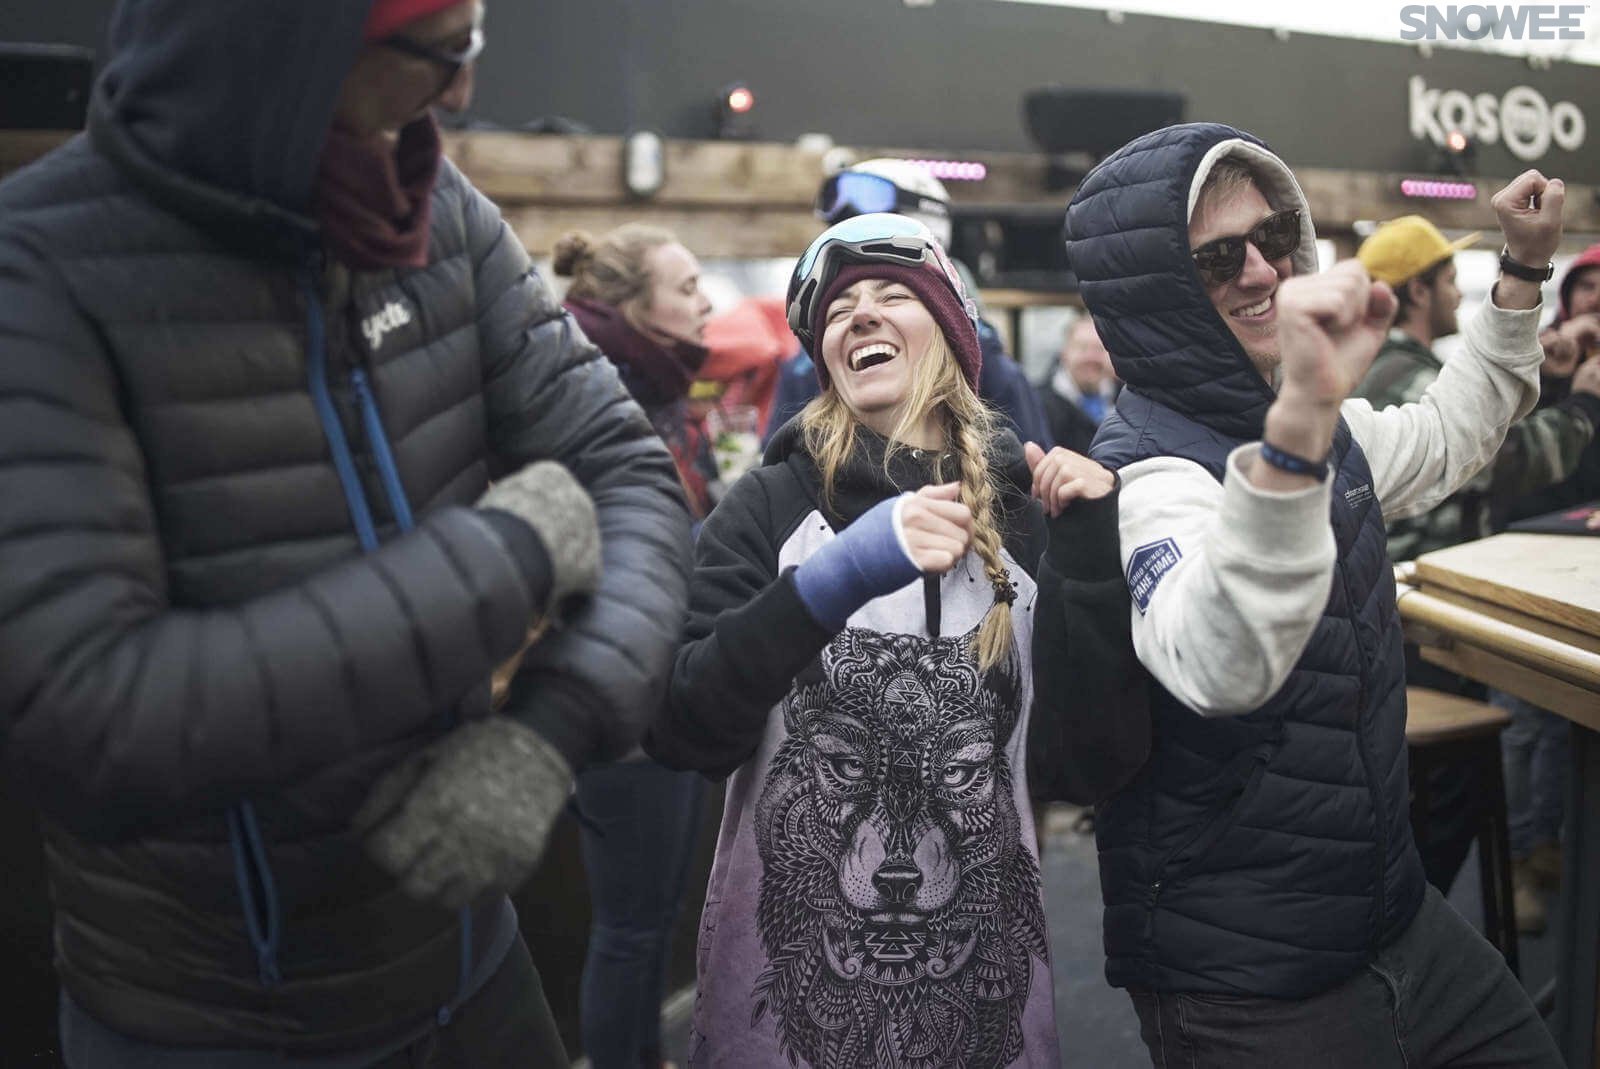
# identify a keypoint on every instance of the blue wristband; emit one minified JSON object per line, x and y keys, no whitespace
{"x":862,"y":562}
{"x":1293,"y":464}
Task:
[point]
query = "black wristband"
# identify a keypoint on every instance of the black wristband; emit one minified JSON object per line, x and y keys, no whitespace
{"x":1294,"y":465}
{"x":1518,"y":269}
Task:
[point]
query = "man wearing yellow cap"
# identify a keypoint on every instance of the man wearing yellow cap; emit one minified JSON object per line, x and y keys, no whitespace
{"x":1418,"y":262}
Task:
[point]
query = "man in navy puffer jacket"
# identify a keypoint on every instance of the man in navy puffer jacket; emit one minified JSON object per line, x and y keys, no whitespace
{"x":264,"y":352}
{"x":1265,"y":904}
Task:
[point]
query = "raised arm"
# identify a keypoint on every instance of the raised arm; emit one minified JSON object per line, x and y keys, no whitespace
{"x":1419,"y":453}
{"x":747,"y":636}
{"x":1089,"y":729}
{"x":750,"y":630}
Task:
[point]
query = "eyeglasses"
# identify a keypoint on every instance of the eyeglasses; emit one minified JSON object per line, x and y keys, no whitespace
{"x":865,"y":239}
{"x":451,"y":62}
{"x":851,"y":193}
{"x":1220,"y":261}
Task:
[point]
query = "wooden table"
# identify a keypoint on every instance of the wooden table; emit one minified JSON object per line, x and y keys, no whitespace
{"x":1521,"y":612}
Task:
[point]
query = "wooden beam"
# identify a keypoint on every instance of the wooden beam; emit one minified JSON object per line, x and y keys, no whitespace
{"x":584,"y":170}
{"x":736,"y":233}
{"x":742,"y":188}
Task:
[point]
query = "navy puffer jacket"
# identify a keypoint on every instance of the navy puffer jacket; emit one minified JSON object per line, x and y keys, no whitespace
{"x":1266,"y":854}
{"x":240,"y":573}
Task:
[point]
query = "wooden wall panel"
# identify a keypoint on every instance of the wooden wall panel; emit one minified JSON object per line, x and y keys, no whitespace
{"x":753,"y":199}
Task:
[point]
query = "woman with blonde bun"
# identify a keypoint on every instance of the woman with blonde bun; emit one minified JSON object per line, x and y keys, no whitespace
{"x":636,"y":293}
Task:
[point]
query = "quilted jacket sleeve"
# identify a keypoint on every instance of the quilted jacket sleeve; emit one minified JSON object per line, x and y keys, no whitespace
{"x":115,"y":704}
{"x":590,"y":687}
{"x":748,"y":637}
{"x":1089,"y":731}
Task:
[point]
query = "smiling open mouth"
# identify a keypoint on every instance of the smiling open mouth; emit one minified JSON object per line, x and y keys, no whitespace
{"x":871,"y":356}
{"x":1258,"y":309}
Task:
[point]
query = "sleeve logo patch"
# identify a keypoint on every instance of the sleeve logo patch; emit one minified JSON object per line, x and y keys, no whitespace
{"x":1146,"y":567}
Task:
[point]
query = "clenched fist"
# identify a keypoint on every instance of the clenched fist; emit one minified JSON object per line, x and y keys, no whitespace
{"x":937,"y":527}
{"x":1331,"y":326}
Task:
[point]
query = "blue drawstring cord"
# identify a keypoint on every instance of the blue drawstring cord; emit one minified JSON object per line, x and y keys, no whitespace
{"x":387,"y":471}
{"x":322,"y":398}
{"x":389,"y":474}
{"x":395,"y":491}
{"x":250,"y":860}
{"x":251,"y":864}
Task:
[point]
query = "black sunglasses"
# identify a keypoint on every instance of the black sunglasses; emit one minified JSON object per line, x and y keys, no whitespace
{"x":1221,"y":260}
{"x":450,"y":61}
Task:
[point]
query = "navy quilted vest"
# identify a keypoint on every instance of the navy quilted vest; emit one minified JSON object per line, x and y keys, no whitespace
{"x":1267,"y":854}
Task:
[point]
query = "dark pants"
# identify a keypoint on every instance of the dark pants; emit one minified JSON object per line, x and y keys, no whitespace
{"x":506,"y":1024}
{"x":1438,"y":996}
{"x":1534,"y":748}
{"x":638,"y":841}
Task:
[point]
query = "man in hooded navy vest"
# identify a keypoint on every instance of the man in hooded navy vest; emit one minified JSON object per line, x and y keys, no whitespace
{"x":1265,"y":904}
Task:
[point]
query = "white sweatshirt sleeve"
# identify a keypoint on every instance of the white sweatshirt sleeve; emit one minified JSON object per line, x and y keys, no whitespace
{"x":1422,"y":453}
{"x":1228,"y":580}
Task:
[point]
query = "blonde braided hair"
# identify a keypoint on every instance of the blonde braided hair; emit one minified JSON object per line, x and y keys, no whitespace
{"x":937,"y":386}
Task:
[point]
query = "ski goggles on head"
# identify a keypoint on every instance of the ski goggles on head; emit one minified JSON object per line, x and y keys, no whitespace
{"x":1220,"y":261}
{"x":851,"y":193}
{"x":878,"y":238}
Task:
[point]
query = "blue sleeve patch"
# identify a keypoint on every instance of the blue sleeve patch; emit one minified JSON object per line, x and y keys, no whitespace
{"x":1146,"y":567}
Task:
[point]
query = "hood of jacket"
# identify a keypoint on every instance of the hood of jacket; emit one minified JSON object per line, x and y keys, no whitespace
{"x":1127,"y":235}
{"x":219,"y":110}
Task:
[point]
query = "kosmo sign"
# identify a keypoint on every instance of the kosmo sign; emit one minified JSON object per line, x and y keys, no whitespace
{"x":1522,"y":118}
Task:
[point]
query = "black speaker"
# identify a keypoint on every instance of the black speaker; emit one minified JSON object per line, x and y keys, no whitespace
{"x":44,"y":87}
{"x":1012,"y":246}
{"x":1096,"y":121}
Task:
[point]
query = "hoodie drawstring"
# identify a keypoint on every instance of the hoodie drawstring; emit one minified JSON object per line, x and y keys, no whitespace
{"x":252,"y":867}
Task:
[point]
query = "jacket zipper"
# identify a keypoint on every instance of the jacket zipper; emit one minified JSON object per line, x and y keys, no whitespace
{"x":1380,"y":814}
{"x":400,"y":508}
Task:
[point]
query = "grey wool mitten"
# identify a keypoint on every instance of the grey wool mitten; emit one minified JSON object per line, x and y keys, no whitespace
{"x":467,"y":815}
{"x":546,"y":497}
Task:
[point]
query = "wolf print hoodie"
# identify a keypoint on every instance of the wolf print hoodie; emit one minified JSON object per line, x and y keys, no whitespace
{"x":875,"y":899}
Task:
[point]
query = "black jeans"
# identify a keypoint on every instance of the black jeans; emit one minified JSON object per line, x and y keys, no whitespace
{"x":1438,"y":996}
{"x":638,"y":841}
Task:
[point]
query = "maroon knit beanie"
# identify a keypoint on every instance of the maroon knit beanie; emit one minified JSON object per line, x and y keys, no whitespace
{"x":947,"y":305}
{"x":386,"y":16}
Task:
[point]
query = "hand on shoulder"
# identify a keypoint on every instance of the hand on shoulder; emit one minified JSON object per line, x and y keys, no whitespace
{"x":1061,"y":477}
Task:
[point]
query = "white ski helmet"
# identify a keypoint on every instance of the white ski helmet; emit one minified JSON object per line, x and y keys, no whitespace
{"x":910,"y":190}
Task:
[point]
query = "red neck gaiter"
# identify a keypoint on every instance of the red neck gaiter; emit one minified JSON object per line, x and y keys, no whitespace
{"x":374,"y":202}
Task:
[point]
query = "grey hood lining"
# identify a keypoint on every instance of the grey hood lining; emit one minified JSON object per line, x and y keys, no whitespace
{"x":1278,"y":185}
